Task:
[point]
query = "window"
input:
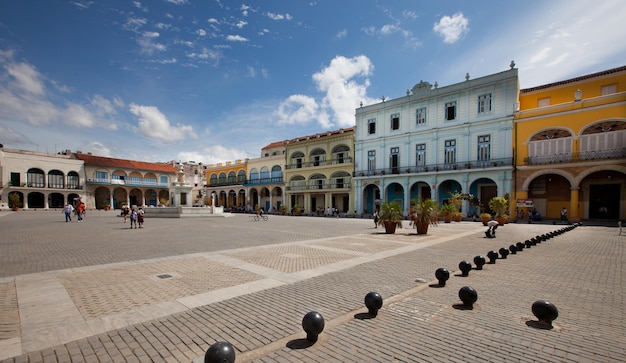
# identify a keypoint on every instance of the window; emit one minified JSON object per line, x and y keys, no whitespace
{"x":371,"y":160}
{"x":420,"y":155}
{"x":56,"y":179}
{"x":484,"y":103}
{"x":450,"y":110}
{"x":484,"y":147}
{"x":102,"y":176}
{"x":609,"y":89}
{"x":371,"y":126}
{"x":164,"y":180}
{"x":394,"y":159}
{"x":15,"y":179}
{"x":450,"y":152}
{"x":543,"y":102}
{"x":420,"y":116}
{"x":395,"y":121}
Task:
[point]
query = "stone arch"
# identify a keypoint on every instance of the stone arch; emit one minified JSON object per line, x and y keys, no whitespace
{"x":570,"y":178}
{"x":579,"y":178}
{"x":547,"y":133}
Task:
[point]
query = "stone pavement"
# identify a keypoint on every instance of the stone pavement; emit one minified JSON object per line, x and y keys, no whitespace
{"x":97,"y":291}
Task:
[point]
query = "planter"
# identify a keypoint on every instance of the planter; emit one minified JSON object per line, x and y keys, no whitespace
{"x":500,"y":221}
{"x":390,"y":227}
{"x":422,"y":227}
{"x":447,"y":219}
{"x":458,"y":218}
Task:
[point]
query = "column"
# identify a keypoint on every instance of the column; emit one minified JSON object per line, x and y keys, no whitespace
{"x":573,"y":205}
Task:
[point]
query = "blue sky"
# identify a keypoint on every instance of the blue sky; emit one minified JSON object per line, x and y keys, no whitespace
{"x":216,"y":80}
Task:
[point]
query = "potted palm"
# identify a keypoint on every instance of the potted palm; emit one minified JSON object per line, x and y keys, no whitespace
{"x":499,"y":205}
{"x":14,"y":201}
{"x":424,"y":212}
{"x":447,"y":211}
{"x":390,"y":216}
{"x":485,"y":217}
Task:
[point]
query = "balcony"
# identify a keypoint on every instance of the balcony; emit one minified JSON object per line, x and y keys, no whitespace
{"x":133,"y":183}
{"x":320,"y":163}
{"x":576,"y":157}
{"x":320,"y":187}
{"x":436,"y":168}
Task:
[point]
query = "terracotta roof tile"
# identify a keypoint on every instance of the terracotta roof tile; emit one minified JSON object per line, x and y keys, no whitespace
{"x":125,"y":164}
{"x":577,"y":79}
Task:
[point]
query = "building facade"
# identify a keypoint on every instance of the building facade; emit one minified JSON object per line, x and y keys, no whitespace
{"x":227,"y":182}
{"x":265,"y":186}
{"x":319,"y":172}
{"x":437,"y":141}
{"x":112,"y":183}
{"x":571,"y":147}
{"x":40,"y":180}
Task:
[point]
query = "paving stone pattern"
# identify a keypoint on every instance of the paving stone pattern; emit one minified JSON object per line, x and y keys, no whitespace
{"x":329,"y":265}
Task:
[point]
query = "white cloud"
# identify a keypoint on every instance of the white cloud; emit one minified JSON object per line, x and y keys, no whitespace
{"x":241,"y":23}
{"x":148,"y":45}
{"x":96,"y":148}
{"x":213,"y":155}
{"x":153,"y":124}
{"x":78,"y":116}
{"x":389,"y":29}
{"x":275,"y":16}
{"x":201,"y":32}
{"x":8,"y":135}
{"x":134,"y":24}
{"x":297,"y":109}
{"x":236,"y":38}
{"x":452,"y":28}
{"x":342,"y":95}
{"x":177,"y":2}
{"x":26,"y":78}
{"x":342,"y":34}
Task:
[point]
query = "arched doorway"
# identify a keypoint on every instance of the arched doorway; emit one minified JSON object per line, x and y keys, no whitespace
{"x":102,"y":195}
{"x":371,"y":198}
{"x":56,"y":200}
{"x":36,"y":200}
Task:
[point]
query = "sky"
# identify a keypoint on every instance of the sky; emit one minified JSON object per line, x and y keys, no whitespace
{"x":217,"y":80}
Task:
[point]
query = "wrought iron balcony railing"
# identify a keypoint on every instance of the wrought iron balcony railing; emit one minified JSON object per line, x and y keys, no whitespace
{"x":576,"y":157}
{"x":435,"y":168}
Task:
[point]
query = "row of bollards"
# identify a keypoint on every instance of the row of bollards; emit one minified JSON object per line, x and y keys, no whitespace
{"x":313,"y":322}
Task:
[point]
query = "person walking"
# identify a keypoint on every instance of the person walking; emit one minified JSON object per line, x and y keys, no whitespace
{"x":375,"y":215}
{"x":563,"y":215}
{"x":68,"y":209}
{"x":133,"y":218}
{"x":80,"y":209}
{"x":140,"y":217}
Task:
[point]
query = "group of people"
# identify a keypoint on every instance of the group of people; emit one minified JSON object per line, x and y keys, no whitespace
{"x":134,"y":214}
{"x":78,"y":211}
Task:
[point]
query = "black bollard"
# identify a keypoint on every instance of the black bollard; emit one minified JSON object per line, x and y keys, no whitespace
{"x":373,"y":302}
{"x":545,"y":311}
{"x":503,"y":252}
{"x":313,"y":325}
{"x":479,"y":261}
{"x":442,"y":275}
{"x":493,"y":256}
{"x":465,"y":267}
{"x":468,"y":296}
{"x":520,"y":246}
{"x":513,"y":249}
{"x":220,"y":352}
{"x":528,"y":243}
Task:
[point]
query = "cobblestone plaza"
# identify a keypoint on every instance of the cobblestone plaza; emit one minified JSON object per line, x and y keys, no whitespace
{"x":98,"y":291}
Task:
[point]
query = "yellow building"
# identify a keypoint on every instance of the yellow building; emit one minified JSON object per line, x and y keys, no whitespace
{"x":570,"y":148}
{"x":319,"y":172}
{"x":265,"y":186}
{"x":227,"y":181}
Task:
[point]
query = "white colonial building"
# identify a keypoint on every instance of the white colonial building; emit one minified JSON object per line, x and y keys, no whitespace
{"x":436,"y":141}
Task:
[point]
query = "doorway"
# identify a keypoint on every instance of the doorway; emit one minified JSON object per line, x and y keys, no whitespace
{"x":604,"y":201}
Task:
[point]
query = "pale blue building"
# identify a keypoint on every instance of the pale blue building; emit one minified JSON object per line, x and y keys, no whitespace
{"x":436,"y":141}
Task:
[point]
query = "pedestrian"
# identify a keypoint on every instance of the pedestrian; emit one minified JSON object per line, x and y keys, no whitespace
{"x":133,"y":218}
{"x":125,"y":212}
{"x":375,"y":215}
{"x":68,"y":209}
{"x":491,"y":231}
{"x":140,"y":217}
{"x":564,"y":215}
{"x":336,"y":212}
{"x":80,"y":208}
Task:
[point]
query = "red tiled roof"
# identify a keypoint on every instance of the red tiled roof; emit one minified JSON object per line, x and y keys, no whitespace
{"x":125,"y":164}
{"x":322,"y":134}
{"x":274,"y":144}
{"x":577,"y":79}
